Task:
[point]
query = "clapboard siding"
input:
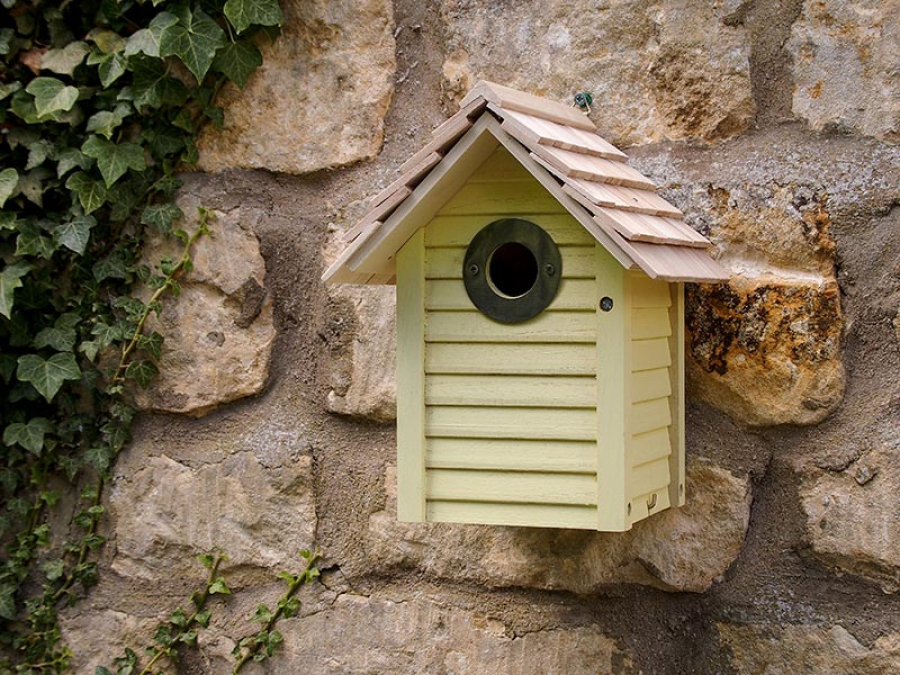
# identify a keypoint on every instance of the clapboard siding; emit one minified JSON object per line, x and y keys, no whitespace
{"x":473,"y":326}
{"x":649,"y":477}
{"x":450,"y":231}
{"x":650,"y":354}
{"x":445,"y":262}
{"x":451,"y":295}
{"x":511,"y":359}
{"x":511,"y":390}
{"x":512,"y":455}
{"x":566,"y":424}
{"x":511,"y":486}
{"x":533,"y":515}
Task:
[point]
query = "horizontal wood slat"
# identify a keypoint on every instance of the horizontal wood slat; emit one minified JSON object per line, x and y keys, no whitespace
{"x":647,"y":292}
{"x":649,"y":477}
{"x":511,"y":359}
{"x":656,"y":229}
{"x":459,"y":230}
{"x":650,"y":354}
{"x":534,"y":130}
{"x":615,"y":196}
{"x":578,"y":165}
{"x":533,"y":515}
{"x":650,"y":322}
{"x":562,"y":326}
{"x":579,"y":262}
{"x":649,"y":447}
{"x":510,"y":390}
{"x":512,"y":99}
{"x":650,"y":415}
{"x":647,"y":385}
{"x":501,"y":199}
{"x":677,"y":263}
{"x":558,"y":424}
{"x":511,"y":486}
{"x":516,"y":455}
{"x":640,"y":504}
{"x":450,"y":295}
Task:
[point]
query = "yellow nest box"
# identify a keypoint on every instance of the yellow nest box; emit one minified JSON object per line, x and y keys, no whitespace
{"x":539,"y":321}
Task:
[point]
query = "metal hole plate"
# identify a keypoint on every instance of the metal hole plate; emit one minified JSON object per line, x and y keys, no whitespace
{"x":476,"y":271}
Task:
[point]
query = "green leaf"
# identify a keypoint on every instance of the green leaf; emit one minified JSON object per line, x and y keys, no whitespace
{"x":70,"y":158}
{"x":9,"y":179}
{"x":238,"y":61}
{"x":32,"y":184}
{"x":91,"y":193}
{"x":99,"y":457}
{"x":47,"y":376}
{"x":142,"y":372}
{"x":108,"y":41}
{"x":178,"y":618}
{"x":146,"y":40}
{"x":219,"y":587}
{"x":152,"y":86}
{"x":111,"y":68}
{"x":262,"y":614}
{"x":206,"y":559}
{"x":10,"y":280}
{"x":9,"y":88}
{"x":114,"y":159}
{"x":194,"y":40}
{"x":107,"y":121}
{"x":64,"y":61}
{"x":38,"y":152}
{"x":31,"y":242}
{"x":243,"y":13}
{"x":202,"y":618}
{"x":61,"y":336}
{"x":152,"y":344}
{"x":75,"y":234}
{"x":51,"y":95}
{"x":113,"y":266}
{"x":54,"y":569}
{"x":161,"y":216}
{"x":8,"y":602}
{"x":29,"y":435}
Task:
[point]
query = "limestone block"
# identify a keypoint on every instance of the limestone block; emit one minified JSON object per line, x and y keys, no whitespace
{"x":766,"y":348}
{"x":165,"y":508}
{"x":852,"y":519}
{"x":807,"y":650}
{"x":684,"y":549}
{"x":97,"y":637}
{"x":219,"y":331}
{"x":845,"y":58}
{"x":657,"y":71}
{"x":371,"y":636}
{"x":319,"y":99}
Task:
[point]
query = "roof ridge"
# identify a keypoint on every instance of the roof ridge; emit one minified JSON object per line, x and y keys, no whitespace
{"x":521,"y":101}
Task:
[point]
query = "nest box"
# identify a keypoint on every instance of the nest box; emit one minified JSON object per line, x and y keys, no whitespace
{"x":540,"y":320}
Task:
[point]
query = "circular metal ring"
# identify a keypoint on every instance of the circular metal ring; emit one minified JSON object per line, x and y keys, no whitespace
{"x":518,"y":268}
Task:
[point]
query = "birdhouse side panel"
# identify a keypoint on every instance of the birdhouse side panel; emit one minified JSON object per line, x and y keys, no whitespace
{"x":651,"y":392}
{"x":510,"y":409}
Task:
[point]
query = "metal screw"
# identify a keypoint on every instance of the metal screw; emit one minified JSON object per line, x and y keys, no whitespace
{"x":629,"y":508}
{"x":473,"y":270}
{"x":549,"y":269}
{"x":606,"y":303}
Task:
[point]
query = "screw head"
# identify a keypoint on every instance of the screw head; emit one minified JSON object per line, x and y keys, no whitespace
{"x":549,"y":269}
{"x":473,"y":269}
{"x":606,"y":303}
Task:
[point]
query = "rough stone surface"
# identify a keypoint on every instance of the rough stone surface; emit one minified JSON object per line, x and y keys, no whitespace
{"x":845,"y":58}
{"x":251,"y":496}
{"x":808,"y":650}
{"x":656,"y":71}
{"x":97,"y":637}
{"x":686,"y":549}
{"x":319,"y":99}
{"x":766,"y":347}
{"x":219,"y":331}
{"x":853,"y":522}
{"x":371,"y":636}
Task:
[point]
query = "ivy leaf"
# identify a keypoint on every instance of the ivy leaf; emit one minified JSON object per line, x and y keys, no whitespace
{"x":238,"y":61}
{"x":47,"y":376}
{"x":91,"y":193}
{"x":142,"y":372}
{"x":110,"y":67}
{"x":32,"y":184}
{"x":146,"y":40}
{"x":112,"y":266}
{"x":107,"y":121}
{"x":31,"y":242}
{"x":219,"y":587}
{"x":75,"y":234}
{"x":9,"y":179}
{"x":99,"y":457}
{"x":243,"y":13}
{"x":151,"y":85}
{"x":51,"y":95}
{"x":108,"y":41}
{"x":161,"y":216}
{"x":114,"y":159}
{"x":64,"y":61}
{"x":54,"y":569}
{"x":152,"y":344}
{"x":8,"y":602}
{"x":30,"y":436}
{"x":61,"y":336}
{"x":194,"y":40}
{"x":9,"y":88}
{"x":70,"y":158}
{"x":10,"y":280}
{"x":37,"y":153}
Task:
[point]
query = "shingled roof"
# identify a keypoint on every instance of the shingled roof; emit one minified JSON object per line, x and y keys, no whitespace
{"x":560,"y":148}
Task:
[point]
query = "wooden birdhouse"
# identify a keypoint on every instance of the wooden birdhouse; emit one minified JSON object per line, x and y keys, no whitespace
{"x":540,"y":321}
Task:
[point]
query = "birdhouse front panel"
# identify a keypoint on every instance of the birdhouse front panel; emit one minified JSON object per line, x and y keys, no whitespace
{"x":539,"y":321}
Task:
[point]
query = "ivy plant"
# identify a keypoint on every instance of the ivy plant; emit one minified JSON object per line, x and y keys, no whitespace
{"x":101,"y":102}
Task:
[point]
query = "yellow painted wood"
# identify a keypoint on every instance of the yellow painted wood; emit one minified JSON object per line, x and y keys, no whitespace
{"x":565,"y":327}
{"x":512,"y":486}
{"x":446,"y":263}
{"x":649,"y":446}
{"x":650,"y":323}
{"x":500,"y":167}
{"x":511,"y":359}
{"x":649,"y":477}
{"x":647,"y":385}
{"x":650,"y":354}
{"x":512,"y":455}
{"x":501,"y":199}
{"x":640,"y":505}
{"x":450,"y":294}
{"x":511,"y":390}
{"x":459,"y":230}
{"x":533,"y":515}
{"x":613,"y":351}
{"x":650,"y":415}
{"x":647,"y":292}
{"x":411,"y":380}
{"x":677,"y":488}
{"x":565,"y":424}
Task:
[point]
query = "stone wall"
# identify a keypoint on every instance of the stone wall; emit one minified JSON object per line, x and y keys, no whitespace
{"x":773,"y":124}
